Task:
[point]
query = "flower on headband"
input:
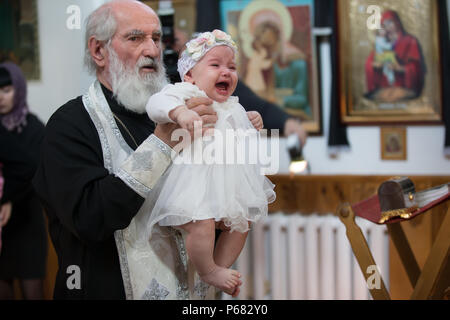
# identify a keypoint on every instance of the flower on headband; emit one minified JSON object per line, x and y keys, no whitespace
{"x":222,"y":36}
{"x":194,"y":49}
{"x":209,"y":38}
{"x":199,"y":46}
{"x":206,"y":40}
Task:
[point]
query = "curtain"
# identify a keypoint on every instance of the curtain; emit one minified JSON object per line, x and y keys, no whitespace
{"x":325,"y":16}
{"x":444,"y":40}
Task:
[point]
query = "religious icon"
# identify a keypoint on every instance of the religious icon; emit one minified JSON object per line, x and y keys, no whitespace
{"x":393,"y":143}
{"x":277,"y":57}
{"x":19,"y":41}
{"x":389,"y":72}
{"x":390,"y":79}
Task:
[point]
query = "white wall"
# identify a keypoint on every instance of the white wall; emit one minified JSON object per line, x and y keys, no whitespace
{"x":63,"y":77}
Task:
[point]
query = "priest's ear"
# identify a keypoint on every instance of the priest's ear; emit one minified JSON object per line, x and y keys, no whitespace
{"x":98,"y":51}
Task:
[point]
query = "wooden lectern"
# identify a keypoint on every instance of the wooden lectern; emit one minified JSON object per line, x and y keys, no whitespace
{"x":433,"y":281}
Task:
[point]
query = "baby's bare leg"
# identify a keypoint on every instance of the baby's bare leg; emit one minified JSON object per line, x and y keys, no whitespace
{"x":228,"y":247}
{"x":200,"y":248}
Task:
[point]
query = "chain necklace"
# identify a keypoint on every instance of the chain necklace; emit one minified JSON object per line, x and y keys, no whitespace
{"x":126,"y":129}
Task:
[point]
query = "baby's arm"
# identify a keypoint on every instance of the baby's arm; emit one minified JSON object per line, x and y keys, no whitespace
{"x":159,"y":105}
{"x":256,"y":119}
{"x":184,"y":117}
{"x":168,"y":105}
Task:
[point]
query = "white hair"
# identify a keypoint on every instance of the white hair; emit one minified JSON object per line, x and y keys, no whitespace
{"x":102,"y":25}
{"x":130,"y":88}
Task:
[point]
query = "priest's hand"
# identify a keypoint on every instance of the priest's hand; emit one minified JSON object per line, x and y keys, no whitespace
{"x":201,"y":105}
{"x":164,"y":132}
{"x":293,"y":126}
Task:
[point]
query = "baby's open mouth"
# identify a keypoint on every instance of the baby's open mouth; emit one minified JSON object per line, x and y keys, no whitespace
{"x":222,"y":86}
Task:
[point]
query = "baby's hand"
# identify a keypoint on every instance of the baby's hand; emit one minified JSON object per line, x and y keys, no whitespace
{"x":186,"y":119}
{"x":256,"y":119}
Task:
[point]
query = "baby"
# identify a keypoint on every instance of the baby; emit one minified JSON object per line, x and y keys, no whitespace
{"x":196,"y":197}
{"x":384,"y":54}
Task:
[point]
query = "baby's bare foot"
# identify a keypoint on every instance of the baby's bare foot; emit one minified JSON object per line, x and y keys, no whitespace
{"x":224,"y":279}
{"x":236,"y":292}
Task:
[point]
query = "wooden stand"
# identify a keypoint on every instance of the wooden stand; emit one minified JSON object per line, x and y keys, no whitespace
{"x":433,"y":282}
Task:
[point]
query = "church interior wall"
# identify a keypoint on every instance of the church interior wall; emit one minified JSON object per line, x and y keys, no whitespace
{"x":64,"y":77}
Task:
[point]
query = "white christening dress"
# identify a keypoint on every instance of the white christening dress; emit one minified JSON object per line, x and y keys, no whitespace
{"x":232,"y":191}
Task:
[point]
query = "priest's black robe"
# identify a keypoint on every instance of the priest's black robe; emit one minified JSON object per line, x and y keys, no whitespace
{"x":84,"y":203}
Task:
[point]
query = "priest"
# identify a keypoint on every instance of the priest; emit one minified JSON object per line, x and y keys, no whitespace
{"x":100,"y":161}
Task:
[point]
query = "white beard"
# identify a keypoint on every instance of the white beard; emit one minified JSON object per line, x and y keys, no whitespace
{"x":130,"y":88}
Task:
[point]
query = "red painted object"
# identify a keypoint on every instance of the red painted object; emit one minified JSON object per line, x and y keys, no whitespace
{"x":369,"y":209}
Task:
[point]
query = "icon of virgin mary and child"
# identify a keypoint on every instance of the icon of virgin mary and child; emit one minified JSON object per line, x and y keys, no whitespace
{"x":395,"y":70}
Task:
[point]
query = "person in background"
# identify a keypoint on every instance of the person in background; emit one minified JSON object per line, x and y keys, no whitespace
{"x":273,"y":116}
{"x":24,"y":247}
{"x":1,"y":213}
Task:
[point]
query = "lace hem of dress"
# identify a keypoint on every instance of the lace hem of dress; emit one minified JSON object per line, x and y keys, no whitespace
{"x":176,"y":216}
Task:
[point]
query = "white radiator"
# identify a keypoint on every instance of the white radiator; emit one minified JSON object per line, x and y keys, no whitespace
{"x":307,"y":257}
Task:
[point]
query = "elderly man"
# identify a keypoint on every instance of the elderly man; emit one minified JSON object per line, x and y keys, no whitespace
{"x":101,"y":159}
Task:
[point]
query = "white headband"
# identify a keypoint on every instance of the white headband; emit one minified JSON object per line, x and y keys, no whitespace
{"x":199,"y":46}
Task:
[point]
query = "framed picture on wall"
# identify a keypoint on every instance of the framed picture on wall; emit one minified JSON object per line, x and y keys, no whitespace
{"x":19,"y":41}
{"x":277,"y":53}
{"x":393,"y":143}
{"x":389,"y":61}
